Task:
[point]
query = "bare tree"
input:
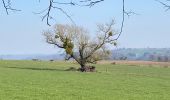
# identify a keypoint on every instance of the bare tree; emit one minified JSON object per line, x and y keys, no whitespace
{"x":79,"y":46}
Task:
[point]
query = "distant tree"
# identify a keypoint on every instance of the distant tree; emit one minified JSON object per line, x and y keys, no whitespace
{"x":79,"y":45}
{"x":123,"y":58}
{"x":131,"y":54}
{"x":166,"y":59}
{"x":159,"y":58}
{"x":152,"y":57}
{"x":145,"y":54}
{"x":35,"y":60}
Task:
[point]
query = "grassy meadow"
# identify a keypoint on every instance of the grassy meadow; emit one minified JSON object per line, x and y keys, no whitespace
{"x":43,"y":80}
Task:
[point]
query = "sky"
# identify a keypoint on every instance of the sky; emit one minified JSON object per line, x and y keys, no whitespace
{"x":21,"y":32}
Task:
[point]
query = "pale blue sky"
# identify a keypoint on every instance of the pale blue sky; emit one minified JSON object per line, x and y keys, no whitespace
{"x":21,"y":32}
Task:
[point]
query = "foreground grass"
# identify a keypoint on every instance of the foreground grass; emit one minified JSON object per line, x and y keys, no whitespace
{"x":28,"y":80}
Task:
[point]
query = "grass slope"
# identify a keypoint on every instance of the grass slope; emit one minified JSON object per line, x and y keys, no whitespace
{"x":28,"y":80}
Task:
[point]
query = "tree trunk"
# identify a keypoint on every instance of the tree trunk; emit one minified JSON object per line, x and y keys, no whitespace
{"x":85,"y":68}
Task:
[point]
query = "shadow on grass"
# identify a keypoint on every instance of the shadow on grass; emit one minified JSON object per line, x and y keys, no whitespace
{"x":39,"y":69}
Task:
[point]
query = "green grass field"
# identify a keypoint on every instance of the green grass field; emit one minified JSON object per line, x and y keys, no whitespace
{"x":33,"y":80}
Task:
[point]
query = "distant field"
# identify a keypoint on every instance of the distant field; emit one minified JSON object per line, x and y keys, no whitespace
{"x":42,"y":80}
{"x":139,"y":63}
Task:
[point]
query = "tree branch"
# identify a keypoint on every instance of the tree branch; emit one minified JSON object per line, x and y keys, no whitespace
{"x":91,"y":3}
{"x":104,"y":40}
{"x":51,"y":39}
{"x":167,"y":6}
{"x":55,"y":5}
{"x":7,"y":6}
{"x":123,"y":19}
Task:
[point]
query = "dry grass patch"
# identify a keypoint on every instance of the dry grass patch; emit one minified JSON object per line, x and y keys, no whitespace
{"x":137,"y":63}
